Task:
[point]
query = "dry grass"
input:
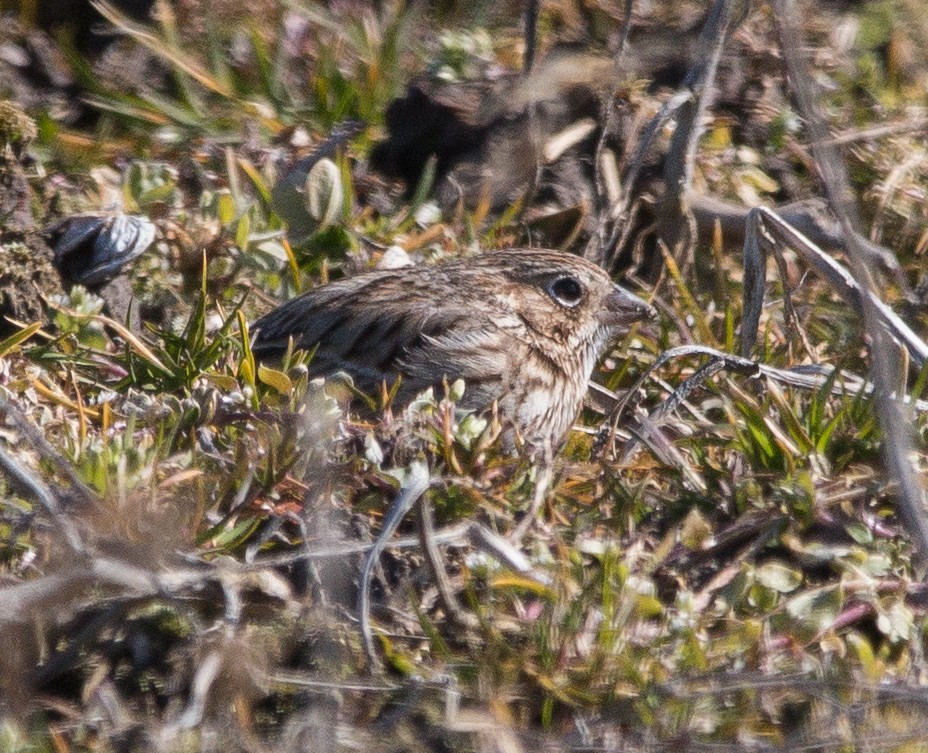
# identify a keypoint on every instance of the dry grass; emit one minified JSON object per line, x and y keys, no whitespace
{"x":182,"y":545}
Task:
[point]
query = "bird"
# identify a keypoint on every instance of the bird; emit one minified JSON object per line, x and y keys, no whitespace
{"x":523,"y":328}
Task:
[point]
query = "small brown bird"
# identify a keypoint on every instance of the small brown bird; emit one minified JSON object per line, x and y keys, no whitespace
{"x":523,"y":328}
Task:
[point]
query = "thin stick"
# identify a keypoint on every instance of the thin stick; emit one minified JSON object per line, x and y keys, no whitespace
{"x":32,"y":435}
{"x":763,"y":221}
{"x":40,"y":493}
{"x":677,"y":227}
{"x":436,"y":566}
{"x":542,"y":484}
{"x":415,"y":486}
{"x":531,"y":35}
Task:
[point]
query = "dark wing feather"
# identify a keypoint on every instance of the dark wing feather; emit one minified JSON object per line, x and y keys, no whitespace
{"x":376,"y":327}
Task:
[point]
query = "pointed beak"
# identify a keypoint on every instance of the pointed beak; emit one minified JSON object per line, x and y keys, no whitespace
{"x":621,"y":308}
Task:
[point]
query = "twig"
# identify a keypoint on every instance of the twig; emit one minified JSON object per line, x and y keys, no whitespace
{"x":806,"y":376}
{"x":602,"y":249}
{"x":897,"y":444}
{"x":809,"y":377}
{"x":542,"y":484}
{"x":596,"y":248}
{"x":877,"y":132}
{"x":677,"y":228}
{"x":504,"y":551}
{"x":624,"y":31}
{"x":203,"y":680}
{"x":19,"y":603}
{"x":809,"y":217}
{"x":764,"y":224}
{"x":41,"y":494}
{"x":436,"y":566}
{"x":454,"y":533}
{"x":531,"y":34}
{"x":416,"y":484}
{"x":32,"y":435}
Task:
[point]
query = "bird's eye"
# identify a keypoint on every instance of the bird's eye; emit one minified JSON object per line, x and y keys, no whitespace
{"x":566,"y":290}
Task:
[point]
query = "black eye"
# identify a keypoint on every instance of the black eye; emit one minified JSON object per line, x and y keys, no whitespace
{"x":566,"y":290}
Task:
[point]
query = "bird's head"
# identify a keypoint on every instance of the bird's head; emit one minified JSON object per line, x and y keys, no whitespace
{"x":566,"y":298}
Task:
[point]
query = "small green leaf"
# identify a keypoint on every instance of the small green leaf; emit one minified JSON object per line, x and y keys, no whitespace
{"x":860,"y":533}
{"x":257,"y":181}
{"x":225,"y":208}
{"x":896,"y":623}
{"x":779,"y":577}
{"x":243,"y":232}
{"x":818,"y":609}
{"x":225,"y":537}
{"x":276,"y":379}
{"x":224,"y":382}
{"x":18,"y":338}
{"x":324,"y":192}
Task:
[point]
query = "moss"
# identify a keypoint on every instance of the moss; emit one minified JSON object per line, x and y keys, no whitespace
{"x":17,"y":130}
{"x":26,"y":276}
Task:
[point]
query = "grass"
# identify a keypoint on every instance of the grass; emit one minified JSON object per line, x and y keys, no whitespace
{"x":756,"y":588}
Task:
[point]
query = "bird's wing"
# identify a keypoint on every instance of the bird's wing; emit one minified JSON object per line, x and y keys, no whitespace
{"x":478,"y":354}
{"x":374,"y":333}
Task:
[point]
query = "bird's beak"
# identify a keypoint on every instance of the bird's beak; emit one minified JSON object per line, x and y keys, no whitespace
{"x":621,"y":308}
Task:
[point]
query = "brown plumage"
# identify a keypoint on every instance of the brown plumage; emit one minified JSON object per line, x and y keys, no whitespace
{"x":522,"y":327}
